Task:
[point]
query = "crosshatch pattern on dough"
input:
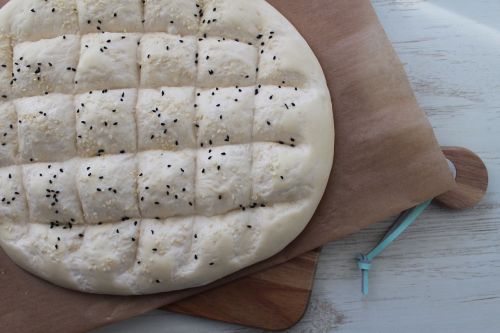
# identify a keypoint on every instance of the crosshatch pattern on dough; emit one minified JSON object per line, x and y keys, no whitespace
{"x":150,"y":145}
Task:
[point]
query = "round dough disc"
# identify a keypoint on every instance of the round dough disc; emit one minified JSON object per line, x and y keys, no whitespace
{"x":151,"y":146}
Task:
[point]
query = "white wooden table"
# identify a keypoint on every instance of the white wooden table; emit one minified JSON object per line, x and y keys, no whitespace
{"x":443,"y":275}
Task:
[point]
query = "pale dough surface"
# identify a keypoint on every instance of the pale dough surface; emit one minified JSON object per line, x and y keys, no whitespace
{"x":150,"y":146}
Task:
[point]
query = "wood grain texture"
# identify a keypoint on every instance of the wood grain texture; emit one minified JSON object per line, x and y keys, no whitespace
{"x":471,"y":179}
{"x":274,"y":299}
{"x":442,"y":274}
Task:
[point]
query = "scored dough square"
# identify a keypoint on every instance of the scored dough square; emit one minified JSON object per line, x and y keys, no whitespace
{"x":280,"y":173}
{"x":224,"y":116}
{"x":13,"y":207}
{"x":230,"y":232}
{"x":280,"y":113}
{"x":8,"y":134}
{"x":107,"y":188}
{"x":36,"y":19}
{"x":47,"y":65}
{"x":223,"y":179}
{"x":163,"y":248}
{"x":110,"y":16}
{"x":105,"y":122}
{"x":53,"y":247}
{"x":165,"y":119}
{"x":178,"y":17}
{"x":167,"y":60}
{"x":166,"y":183}
{"x":52,"y":194}
{"x":278,"y":60}
{"x":108,"y":61}
{"x":46,"y":126}
{"x":5,"y":69}
{"x":225,"y":63}
{"x":231,"y":19}
{"x":107,"y":250}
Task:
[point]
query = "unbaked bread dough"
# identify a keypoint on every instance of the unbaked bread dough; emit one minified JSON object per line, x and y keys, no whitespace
{"x":150,"y":146}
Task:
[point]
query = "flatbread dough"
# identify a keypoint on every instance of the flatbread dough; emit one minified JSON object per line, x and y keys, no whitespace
{"x":150,"y":146}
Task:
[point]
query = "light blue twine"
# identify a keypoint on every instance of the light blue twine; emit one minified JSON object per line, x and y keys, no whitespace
{"x":402,"y":223}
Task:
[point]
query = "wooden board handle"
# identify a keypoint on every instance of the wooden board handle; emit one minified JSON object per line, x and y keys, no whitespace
{"x":471,"y":179}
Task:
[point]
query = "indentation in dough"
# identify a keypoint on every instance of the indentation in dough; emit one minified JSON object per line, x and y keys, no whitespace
{"x":109,"y":15}
{"x":281,"y":112}
{"x":167,"y":60}
{"x":226,"y":63}
{"x":107,"y":251}
{"x":46,"y":126}
{"x":108,"y":61}
{"x":224,"y":116}
{"x":12,"y":197}
{"x":105,"y":122}
{"x":35,"y":19}
{"x":45,"y":66}
{"x":165,"y":119}
{"x":8,"y":134}
{"x":178,"y":17}
{"x":164,"y":248}
{"x":280,"y":173}
{"x":52,"y":194}
{"x":223,"y":179}
{"x":166,"y":183}
{"x":239,"y":20}
{"x":5,"y":68}
{"x":107,"y":188}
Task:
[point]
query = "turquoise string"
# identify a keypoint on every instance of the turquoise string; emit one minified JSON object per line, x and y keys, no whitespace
{"x":402,"y":223}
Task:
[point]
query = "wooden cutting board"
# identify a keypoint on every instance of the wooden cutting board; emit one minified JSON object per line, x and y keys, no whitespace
{"x":276,"y":299}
